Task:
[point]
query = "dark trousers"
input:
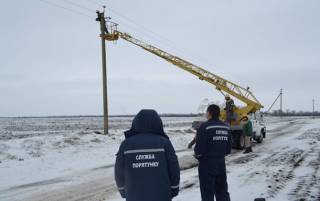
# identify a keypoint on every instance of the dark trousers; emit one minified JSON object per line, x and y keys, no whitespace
{"x":212,"y":185}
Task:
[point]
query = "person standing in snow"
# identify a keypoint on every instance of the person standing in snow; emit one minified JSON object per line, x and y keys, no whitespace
{"x":247,"y":134}
{"x":213,"y":143}
{"x":147,"y":167}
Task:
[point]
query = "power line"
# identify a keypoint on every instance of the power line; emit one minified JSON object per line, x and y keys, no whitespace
{"x":68,"y":9}
{"x":78,"y":5}
{"x":139,"y":25}
{"x":149,"y":36}
{"x":150,"y":39}
{"x":154,"y":34}
{"x":128,"y":19}
{"x":163,"y":40}
{"x":95,"y":2}
{"x":86,"y":15}
{"x":169,"y":42}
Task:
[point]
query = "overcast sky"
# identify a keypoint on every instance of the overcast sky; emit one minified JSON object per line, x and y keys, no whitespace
{"x":51,"y":61}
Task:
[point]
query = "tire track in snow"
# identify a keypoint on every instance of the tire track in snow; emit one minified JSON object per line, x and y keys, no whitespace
{"x":308,"y":185}
{"x":288,"y":162}
{"x":283,"y":169}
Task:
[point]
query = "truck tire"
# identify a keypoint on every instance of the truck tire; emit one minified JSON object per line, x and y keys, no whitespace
{"x":263,"y":131}
{"x":260,"y":139}
{"x":238,"y":139}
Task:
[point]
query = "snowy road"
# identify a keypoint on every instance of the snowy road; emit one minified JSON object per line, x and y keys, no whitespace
{"x":284,"y":167}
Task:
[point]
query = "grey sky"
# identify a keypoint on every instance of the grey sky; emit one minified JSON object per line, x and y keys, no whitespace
{"x":51,"y":62}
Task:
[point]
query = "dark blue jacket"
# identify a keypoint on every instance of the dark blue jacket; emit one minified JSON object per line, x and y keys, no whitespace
{"x":147,"y":167}
{"x":213,"y":143}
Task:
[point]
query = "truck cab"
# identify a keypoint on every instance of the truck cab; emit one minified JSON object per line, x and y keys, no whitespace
{"x":259,"y":127}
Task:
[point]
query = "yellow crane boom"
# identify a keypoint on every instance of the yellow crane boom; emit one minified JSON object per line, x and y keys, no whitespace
{"x":221,"y":84}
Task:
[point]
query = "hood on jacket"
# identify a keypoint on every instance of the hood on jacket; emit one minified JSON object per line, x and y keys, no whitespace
{"x":146,"y":121}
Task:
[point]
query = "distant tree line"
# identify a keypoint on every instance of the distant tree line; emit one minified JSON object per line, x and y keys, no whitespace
{"x":293,"y":113}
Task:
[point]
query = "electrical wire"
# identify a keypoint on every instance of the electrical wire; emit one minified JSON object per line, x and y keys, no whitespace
{"x":163,"y":40}
{"x":95,"y":2}
{"x":78,"y":5}
{"x":68,"y":9}
{"x":117,"y":13}
{"x":144,"y":29}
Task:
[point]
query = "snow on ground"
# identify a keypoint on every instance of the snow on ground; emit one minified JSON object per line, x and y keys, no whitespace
{"x":63,"y":159}
{"x":36,"y":151}
{"x":285,"y":167}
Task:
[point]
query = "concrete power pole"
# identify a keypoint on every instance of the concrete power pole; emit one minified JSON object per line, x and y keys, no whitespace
{"x":281,"y":92}
{"x":100,"y":18}
{"x":313,"y":108}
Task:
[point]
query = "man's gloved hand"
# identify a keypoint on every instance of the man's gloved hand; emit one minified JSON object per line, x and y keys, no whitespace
{"x":198,"y":157}
{"x":122,"y":193}
{"x":174,"y":192}
{"x":192,"y":143}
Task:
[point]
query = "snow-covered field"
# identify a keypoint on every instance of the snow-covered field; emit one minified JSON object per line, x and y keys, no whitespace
{"x":63,"y":159}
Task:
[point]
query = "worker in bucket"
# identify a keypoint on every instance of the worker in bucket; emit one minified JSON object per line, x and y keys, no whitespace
{"x":229,"y":109}
{"x":247,"y":134}
{"x":213,"y":143}
{"x":147,"y":167}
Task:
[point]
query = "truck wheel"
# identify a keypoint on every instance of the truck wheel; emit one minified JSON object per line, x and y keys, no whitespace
{"x":260,"y":139}
{"x":263,"y":133}
{"x":241,"y":142}
{"x":238,"y":140}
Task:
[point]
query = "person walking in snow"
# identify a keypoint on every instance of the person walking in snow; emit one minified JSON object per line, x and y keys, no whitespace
{"x":247,"y":134}
{"x":213,"y":143}
{"x":147,"y":167}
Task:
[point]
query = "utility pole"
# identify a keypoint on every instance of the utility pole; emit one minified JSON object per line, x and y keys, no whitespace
{"x":313,"y":108}
{"x":100,"y":18}
{"x":279,"y":96}
{"x":281,"y":102}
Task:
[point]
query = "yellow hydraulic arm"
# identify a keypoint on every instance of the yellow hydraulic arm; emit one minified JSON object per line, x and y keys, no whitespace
{"x":221,"y":84}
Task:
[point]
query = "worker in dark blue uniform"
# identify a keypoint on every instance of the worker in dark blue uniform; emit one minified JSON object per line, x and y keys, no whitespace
{"x":147,"y":167}
{"x":213,"y":143}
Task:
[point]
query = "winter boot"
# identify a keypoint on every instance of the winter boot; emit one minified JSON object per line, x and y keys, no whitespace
{"x":250,"y":149}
